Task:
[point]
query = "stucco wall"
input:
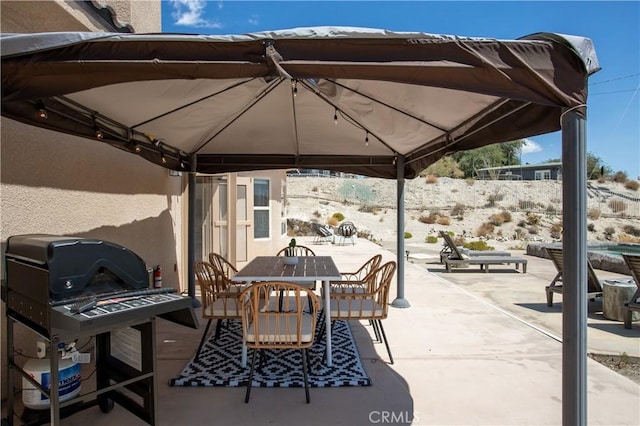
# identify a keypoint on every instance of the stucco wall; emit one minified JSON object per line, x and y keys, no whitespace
{"x":59,"y":184}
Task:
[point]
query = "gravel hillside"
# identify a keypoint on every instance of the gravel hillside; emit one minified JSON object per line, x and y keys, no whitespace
{"x":533,"y":208}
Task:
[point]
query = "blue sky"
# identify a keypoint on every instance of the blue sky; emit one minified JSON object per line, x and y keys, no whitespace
{"x":613,"y":114}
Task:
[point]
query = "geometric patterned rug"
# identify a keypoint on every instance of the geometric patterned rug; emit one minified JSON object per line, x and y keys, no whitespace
{"x":219,"y":363}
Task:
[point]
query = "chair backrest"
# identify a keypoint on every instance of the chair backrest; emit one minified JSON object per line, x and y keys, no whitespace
{"x":347,"y":229}
{"x":451,"y":245}
{"x":593,"y":283}
{"x":222,"y":264}
{"x":273,"y":315}
{"x":321,"y":230}
{"x":633,"y":262}
{"x":298,"y":251}
{"x":368,"y":268}
{"x":381,"y":283}
{"x":215,"y":295}
{"x":205,"y":276}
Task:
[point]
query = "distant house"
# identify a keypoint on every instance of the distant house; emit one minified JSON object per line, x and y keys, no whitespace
{"x":540,"y":171}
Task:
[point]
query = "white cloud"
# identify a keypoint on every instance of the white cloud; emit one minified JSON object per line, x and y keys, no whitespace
{"x":190,"y":13}
{"x":254,"y":19}
{"x":531,"y":146}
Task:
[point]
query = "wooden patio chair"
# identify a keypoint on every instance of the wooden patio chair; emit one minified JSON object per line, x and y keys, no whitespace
{"x":298,"y":251}
{"x":633,"y":262}
{"x":219,"y":298}
{"x":358,"y":280}
{"x":273,"y":317}
{"x":594,"y":286}
{"x":371,"y":304}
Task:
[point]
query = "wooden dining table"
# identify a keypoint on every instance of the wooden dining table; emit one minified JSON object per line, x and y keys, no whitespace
{"x":309,"y":269}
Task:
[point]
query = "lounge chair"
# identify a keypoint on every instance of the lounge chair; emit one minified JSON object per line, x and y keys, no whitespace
{"x":594,"y":286}
{"x":323,"y":234}
{"x":451,"y":251}
{"x":482,"y":258}
{"x":633,"y":262}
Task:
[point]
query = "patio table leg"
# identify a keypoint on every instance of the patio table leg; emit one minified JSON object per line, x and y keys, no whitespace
{"x":327,"y":323}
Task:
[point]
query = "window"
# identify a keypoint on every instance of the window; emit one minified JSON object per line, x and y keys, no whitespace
{"x":542,"y":175}
{"x":261,"y":208}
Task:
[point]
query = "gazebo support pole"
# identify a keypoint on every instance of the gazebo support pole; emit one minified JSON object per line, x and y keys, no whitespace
{"x":400,"y":301}
{"x":191,"y":233}
{"x":574,"y":293}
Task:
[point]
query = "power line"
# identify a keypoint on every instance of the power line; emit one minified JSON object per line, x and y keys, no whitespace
{"x":614,"y":91}
{"x":614,"y":79}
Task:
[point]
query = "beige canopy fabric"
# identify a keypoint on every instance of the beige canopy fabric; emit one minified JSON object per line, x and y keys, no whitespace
{"x":346,"y":99}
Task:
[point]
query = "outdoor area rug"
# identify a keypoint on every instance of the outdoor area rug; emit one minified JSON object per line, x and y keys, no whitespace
{"x":219,"y":363}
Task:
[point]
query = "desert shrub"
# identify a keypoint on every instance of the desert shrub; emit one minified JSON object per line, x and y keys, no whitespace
{"x":485,"y":229}
{"x":458,"y":240}
{"x":506,"y":216}
{"x":608,"y":232}
{"x":368,"y":208}
{"x":519,"y":233}
{"x":381,"y":218}
{"x":556,"y":200}
{"x":617,"y":205}
{"x":478,"y":245}
{"x":431,"y":239}
{"x":591,"y":227}
{"x":338,"y":216}
{"x":333,"y":221}
{"x":625,"y":238}
{"x":451,"y":233}
{"x":407,"y":235}
{"x":431,"y":219}
{"x":522,"y":224}
{"x":550,"y":209}
{"x":593,"y":214}
{"x":443,"y":220}
{"x":496,"y":219}
{"x":601,"y":179}
{"x":454,"y":190}
{"x":317,"y":214}
{"x":556,"y":231}
{"x":526,"y":204}
{"x":631,"y":230}
{"x":632,"y":185}
{"x":533,"y":219}
{"x":533,"y":230}
{"x":314,"y":189}
{"x":619,"y":177}
{"x":365,"y":233}
{"x":431,"y":179}
{"x":458,"y":210}
{"x":492,"y":199}
{"x":470,"y":181}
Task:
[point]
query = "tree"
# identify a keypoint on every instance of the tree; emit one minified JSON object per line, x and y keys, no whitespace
{"x":444,"y":167}
{"x":503,"y":154}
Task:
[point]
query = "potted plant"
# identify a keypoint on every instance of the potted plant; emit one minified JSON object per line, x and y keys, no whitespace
{"x":290,"y":253}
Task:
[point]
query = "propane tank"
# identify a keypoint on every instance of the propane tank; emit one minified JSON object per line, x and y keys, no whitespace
{"x":157,"y":277}
{"x":69,"y":379}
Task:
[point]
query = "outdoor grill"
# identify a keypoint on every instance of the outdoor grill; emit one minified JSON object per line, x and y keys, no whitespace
{"x":63,"y":288}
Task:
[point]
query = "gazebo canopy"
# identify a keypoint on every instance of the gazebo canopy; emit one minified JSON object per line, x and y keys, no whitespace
{"x":346,"y":99}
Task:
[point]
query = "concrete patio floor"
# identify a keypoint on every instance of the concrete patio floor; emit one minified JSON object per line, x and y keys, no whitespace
{"x":473,"y":348}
